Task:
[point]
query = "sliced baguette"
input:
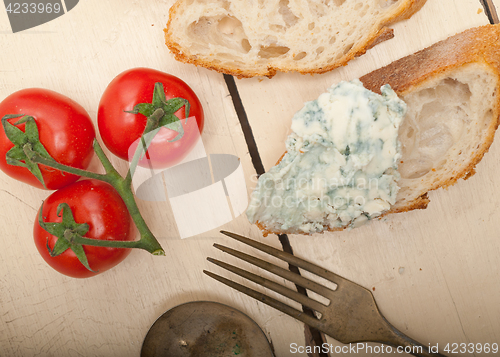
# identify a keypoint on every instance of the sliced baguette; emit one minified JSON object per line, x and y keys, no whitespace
{"x":451,"y":90}
{"x":258,"y":38}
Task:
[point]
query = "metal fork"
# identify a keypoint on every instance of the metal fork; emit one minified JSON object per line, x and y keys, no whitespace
{"x":352,"y":316}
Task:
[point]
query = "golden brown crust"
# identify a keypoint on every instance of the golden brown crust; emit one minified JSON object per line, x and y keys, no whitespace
{"x":407,"y":12}
{"x":384,"y":34}
{"x":380,"y":34}
{"x":471,"y":46}
{"x":477,"y":45}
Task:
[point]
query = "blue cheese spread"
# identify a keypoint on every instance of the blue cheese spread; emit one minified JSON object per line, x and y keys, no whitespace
{"x":340,"y":165}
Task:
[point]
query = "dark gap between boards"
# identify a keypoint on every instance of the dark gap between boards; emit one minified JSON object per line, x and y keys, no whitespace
{"x":490,"y":10}
{"x":317,"y":337}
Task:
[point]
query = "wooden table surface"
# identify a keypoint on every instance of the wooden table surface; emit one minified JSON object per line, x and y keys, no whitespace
{"x":434,"y":273}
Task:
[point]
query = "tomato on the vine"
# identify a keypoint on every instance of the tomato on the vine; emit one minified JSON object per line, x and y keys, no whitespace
{"x":121,"y":128}
{"x":97,"y":204}
{"x":65,"y":130}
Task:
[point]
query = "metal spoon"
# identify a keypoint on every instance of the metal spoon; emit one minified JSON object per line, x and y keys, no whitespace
{"x":205,"y":328}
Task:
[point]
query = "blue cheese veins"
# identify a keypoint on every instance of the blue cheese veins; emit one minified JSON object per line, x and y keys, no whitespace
{"x":340,"y":167}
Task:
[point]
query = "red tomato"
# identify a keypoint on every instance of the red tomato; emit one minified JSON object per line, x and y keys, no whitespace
{"x":119,"y":130}
{"x":99,"y":205}
{"x":65,"y":130}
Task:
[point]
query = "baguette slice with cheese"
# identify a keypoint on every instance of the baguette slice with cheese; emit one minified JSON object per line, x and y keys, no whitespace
{"x":453,"y":106}
{"x":260,"y":37}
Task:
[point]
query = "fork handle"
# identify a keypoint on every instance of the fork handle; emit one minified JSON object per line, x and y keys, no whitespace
{"x":417,"y":349}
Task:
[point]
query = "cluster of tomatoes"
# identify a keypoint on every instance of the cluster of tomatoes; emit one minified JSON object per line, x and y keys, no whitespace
{"x":67,"y":133}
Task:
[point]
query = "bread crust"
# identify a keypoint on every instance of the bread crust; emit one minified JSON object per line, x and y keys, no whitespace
{"x":477,"y":45}
{"x":380,"y":33}
{"x":408,"y":11}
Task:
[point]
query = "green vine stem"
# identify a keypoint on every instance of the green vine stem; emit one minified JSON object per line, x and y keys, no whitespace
{"x":122,"y":185}
{"x":149,"y":132}
{"x":29,"y":152}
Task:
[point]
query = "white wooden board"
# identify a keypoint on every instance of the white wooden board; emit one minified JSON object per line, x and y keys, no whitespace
{"x":45,"y":313}
{"x":434,"y":272}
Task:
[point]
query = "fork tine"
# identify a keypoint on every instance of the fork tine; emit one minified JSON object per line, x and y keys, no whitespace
{"x":289,"y":258}
{"x":278,"y":305}
{"x":280,"y":289}
{"x":284,"y":273}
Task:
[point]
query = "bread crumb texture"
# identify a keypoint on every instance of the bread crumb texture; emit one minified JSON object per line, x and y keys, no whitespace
{"x":249,"y":38}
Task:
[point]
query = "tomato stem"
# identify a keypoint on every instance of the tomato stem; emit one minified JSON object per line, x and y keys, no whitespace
{"x":147,"y":136}
{"x":37,"y":158}
{"x":160,"y":113}
{"x":107,"y":243}
{"x":108,"y":167}
{"x":123,"y":186}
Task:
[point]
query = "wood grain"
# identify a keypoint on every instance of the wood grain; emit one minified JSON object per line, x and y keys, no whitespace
{"x":429,"y":270}
{"x":434,"y":272}
{"x":46,"y":314}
